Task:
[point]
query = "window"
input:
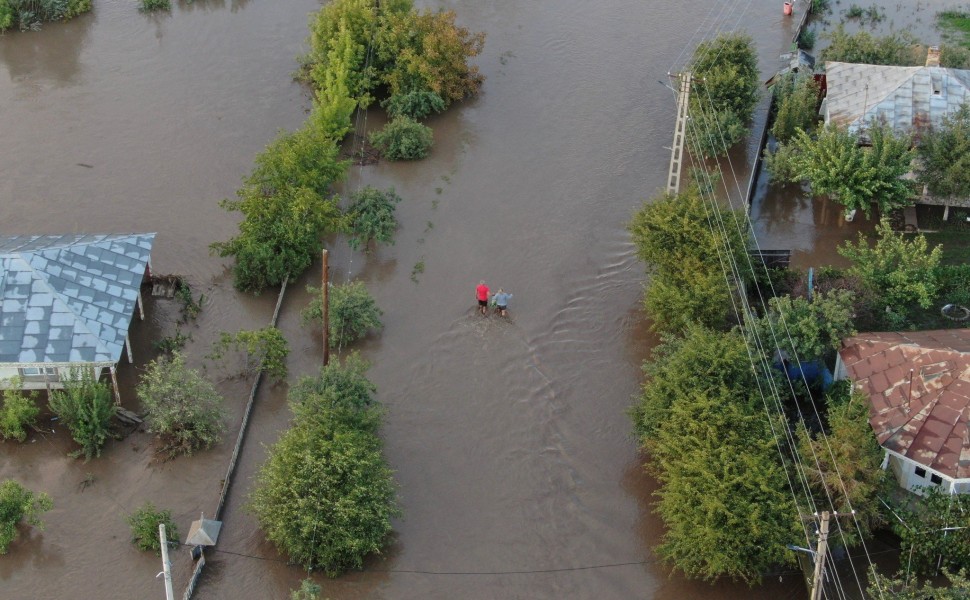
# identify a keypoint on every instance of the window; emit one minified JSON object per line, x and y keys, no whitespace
{"x":920,"y":472}
{"x":936,"y":479}
{"x":37,"y":371}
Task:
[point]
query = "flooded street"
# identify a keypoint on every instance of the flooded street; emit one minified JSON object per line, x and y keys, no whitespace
{"x":518,"y":472}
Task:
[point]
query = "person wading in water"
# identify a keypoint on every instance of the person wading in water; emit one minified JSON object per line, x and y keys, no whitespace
{"x":501,"y":300}
{"x":481,"y":292}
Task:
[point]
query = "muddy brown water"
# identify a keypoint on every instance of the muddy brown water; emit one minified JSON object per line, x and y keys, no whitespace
{"x":518,"y":472}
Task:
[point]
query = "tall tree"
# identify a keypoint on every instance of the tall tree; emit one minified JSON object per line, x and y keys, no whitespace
{"x":944,"y":154}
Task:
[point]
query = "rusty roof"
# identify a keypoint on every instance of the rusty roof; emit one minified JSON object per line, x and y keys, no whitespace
{"x":906,"y":98}
{"x":919,"y":392}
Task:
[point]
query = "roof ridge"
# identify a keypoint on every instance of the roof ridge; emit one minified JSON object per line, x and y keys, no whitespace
{"x":103,"y":238}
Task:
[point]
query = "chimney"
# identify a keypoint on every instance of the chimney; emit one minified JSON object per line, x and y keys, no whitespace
{"x":933,"y":56}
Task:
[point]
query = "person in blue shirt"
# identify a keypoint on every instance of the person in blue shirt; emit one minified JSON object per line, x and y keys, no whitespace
{"x":501,"y":301}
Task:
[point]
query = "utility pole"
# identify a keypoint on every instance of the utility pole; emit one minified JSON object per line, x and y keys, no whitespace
{"x":820,"y":555}
{"x":166,"y":563}
{"x":325,"y":308}
{"x":680,"y":133}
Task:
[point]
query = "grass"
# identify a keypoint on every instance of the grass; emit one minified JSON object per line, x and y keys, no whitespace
{"x":955,"y":22}
{"x":956,"y":245}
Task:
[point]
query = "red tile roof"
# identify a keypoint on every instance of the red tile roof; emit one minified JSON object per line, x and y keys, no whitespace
{"x":919,"y":392}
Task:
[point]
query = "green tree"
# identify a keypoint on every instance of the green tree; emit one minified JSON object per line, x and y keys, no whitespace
{"x":352,"y":312}
{"x":371,"y":217}
{"x":856,"y":176}
{"x":18,"y":411}
{"x":183,"y":408}
{"x":904,"y":587}
{"x":263,"y":351}
{"x":308,"y":591}
{"x":935,"y":531}
{"x":403,"y":139}
{"x":902,"y":272}
{"x":280,"y":235}
{"x":845,"y":466}
{"x":808,"y":330}
{"x":710,"y":132}
{"x":797,"y":97}
{"x":306,"y":158}
{"x":726,"y":73}
{"x":428,"y":51}
{"x":85,"y":406}
{"x":144,"y":524}
{"x":696,"y":293}
{"x":340,"y":388}
{"x":944,"y":156}
{"x":19,"y":505}
{"x":341,"y":31}
{"x":325,"y":496}
{"x":723,"y":495}
{"x":703,"y":361}
{"x":897,"y":48}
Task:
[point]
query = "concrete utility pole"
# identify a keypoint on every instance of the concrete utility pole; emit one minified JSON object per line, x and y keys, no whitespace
{"x":680,"y":133}
{"x":325,"y":308}
{"x":820,"y":555}
{"x":166,"y":563}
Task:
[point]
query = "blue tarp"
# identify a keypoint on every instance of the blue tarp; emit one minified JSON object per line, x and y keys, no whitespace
{"x":811,"y":371}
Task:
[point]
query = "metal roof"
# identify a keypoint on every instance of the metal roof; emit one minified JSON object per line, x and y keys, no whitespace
{"x":919,"y":392}
{"x":69,"y":298}
{"x":906,"y":98}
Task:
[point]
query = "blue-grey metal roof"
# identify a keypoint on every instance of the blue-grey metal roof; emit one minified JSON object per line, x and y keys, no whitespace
{"x":906,"y":98}
{"x":69,"y":298}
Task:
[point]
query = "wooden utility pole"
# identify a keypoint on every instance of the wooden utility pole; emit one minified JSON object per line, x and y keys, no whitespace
{"x":325,"y":308}
{"x":166,"y":563}
{"x":680,"y":134}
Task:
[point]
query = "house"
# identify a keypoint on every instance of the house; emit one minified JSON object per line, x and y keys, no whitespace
{"x":908,"y":99}
{"x":66,"y":302}
{"x":918,"y":385}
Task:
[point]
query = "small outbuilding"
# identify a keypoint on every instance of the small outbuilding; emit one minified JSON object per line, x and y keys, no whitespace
{"x":66,"y":303}
{"x":918,"y":384}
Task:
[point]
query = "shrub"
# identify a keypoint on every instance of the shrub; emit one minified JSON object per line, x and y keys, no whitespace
{"x":403,"y":139}
{"x":153,"y":5}
{"x":263,"y":351}
{"x":308,"y":591}
{"x":85,"y":406}
{"x":339,"y":387}
{"x":18,"y":504}
{"x":944,"y":154}
{"x":371,"y":217}
{"x":144,"y":524}
{"x":712,"y":133}
{"x":416,"y":104}
{"x":898,"y":48}
{"x":726,"y":73}
{"x":183,"y":407}
{"x":18,"y":411}
{"x":28,"y":14}
{"x":352,"y":312}
{"x":808,"y":330}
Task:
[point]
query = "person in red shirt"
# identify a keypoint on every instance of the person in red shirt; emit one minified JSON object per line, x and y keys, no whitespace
{"x":481,"y":292}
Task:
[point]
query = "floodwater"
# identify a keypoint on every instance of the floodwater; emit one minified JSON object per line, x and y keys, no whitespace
{"x":518,"y":472}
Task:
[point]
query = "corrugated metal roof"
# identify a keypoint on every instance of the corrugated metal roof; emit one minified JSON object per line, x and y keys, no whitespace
{"x":919,"y":392}
{"x":906,"y":98}
{"x":69,"y":298}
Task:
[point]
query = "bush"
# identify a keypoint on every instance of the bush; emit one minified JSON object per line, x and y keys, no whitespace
{"x":898,"y":48}
{"x":352,"y":313}
{"x":153,"y":5}
{"x":28,"y":14}
{"x":713,"y":133}
{"x":18,"y":411}
{"x":183,"y":408}
{"x":308,"y":591}
{"x":403,"y":139}
{"x":325,"y":496}
{"x":726,"y":69}
{"x":339,"y":388}
{"x":944,"y":154}
{"x":85,"y":406}
{"x":415,"y":105}
{"x":263,"y":351}
{"x":371,"y":217}
{"x":144,"y":524}
{"x":18,"y":504}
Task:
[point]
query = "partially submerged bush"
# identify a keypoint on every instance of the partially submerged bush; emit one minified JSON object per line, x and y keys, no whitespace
{"x":144,"y":524}
{"x":403,"y":139}
{"x":28,"y":14}
{"x":183,"y":408}
{"x":18,"y":504}
{"x":153,"y":5}
{"x":263,"y":351}
{"x":18,"y":411}
{"x":85,"y":406}
{"x":416,"y":104}
{"x":352,"y":312}
{"x":370,"y":217}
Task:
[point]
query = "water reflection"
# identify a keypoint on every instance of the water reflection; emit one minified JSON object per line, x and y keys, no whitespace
{"x":211,"y":5}
{"x":52,"y":55}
